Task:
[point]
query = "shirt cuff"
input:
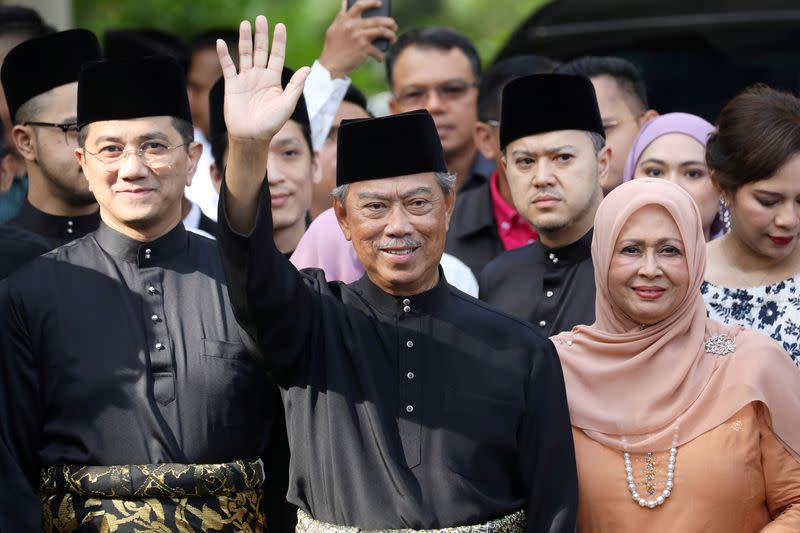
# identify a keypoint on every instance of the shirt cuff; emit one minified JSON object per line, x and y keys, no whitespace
{"x":323,"y":96}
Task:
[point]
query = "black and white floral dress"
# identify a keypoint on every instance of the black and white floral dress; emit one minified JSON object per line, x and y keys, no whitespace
{"x":771,"y":309}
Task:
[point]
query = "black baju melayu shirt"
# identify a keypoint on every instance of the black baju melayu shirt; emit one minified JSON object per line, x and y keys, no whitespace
{"x":120,"y":352}
{"x":56,"y":229}
{"x":553,"y":289}
{"x":427,"y":411}
{"x":18,"y":247}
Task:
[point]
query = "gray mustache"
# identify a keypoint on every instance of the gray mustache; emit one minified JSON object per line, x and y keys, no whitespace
{"x":400,"y":243}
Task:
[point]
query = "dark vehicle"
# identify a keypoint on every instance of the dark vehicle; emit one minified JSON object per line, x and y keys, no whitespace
{"x":694,"y":54}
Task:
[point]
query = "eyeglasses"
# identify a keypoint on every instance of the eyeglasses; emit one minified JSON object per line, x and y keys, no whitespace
{"x":609,"y":125}
{"x":70,"y":130}
{"x":154,"y":154}
{"x":450,"y":91}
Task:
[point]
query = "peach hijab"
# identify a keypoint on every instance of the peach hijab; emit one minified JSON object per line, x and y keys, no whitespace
{"x":647,"y":389}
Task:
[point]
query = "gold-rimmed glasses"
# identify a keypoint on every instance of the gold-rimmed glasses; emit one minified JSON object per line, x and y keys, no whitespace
{"x":154,"y":154}
{"x":449,"y":91}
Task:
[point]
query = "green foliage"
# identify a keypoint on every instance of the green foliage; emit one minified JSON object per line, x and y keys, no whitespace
{"x":487,"y":22}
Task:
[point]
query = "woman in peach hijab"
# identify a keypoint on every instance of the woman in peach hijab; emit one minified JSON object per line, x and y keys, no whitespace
{"x":680,"y":423}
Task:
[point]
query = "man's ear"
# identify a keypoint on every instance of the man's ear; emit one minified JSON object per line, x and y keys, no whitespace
{"x":647,"y":116}
{"x":341,"y":217}
{"x":604,"y":162}
{"x":195,"y":152}
{"x":450,"y":204}
{"x":484,"y":140}
{"x":23,"y":137}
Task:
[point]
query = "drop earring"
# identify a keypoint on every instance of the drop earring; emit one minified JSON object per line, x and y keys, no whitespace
{"x":725,"y":214}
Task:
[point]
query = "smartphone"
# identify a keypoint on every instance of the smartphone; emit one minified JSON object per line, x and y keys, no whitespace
{"x":384,"y":11}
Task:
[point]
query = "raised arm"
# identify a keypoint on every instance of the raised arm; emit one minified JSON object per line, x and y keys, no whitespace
{"x":256,"y":108}
{"x":270,"y":299}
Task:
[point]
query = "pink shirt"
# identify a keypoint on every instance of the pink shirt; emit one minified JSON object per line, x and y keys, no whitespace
{"x":513,"y":229}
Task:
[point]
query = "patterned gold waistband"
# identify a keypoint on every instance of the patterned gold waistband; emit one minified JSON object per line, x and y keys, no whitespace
{"x":153,"y":481}
{"x":513,"y":523}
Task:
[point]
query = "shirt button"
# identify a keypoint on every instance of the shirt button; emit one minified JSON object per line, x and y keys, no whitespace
{"x":406,"y":309}
{"x":549,"y":294}
{"x":409,"y":408}
{"x":151,"y":289}
{"x":147,"y":253}
{"x":505,"y":225}
{"x":159,"y":346}
{"x":69,"y":223}
{"x":542,"y":323}
{"x":154,"y":318}
{"x":410,"y":344}
{"x":406,"y":302}
{"x":410,"y":375}
{"x":69,"y":230}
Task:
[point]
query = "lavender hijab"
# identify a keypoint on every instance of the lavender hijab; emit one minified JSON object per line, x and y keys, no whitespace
{"x":685,"y":123}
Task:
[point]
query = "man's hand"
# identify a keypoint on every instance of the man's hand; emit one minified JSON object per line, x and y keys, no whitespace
{"x":256,"y":106}
{"x":348,"y":40}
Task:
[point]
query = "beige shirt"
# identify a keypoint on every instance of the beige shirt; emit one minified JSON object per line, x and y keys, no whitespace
{"x":736,"y":478}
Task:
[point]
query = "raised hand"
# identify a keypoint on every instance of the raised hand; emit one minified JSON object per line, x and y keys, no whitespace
{"x":348,"y":40}
{"x":256,"y":106}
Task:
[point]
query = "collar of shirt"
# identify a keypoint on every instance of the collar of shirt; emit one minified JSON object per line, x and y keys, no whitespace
{"x":62,"y":228}
{"x":570,"y":254}
{"x":513,"y":229}
{"x":399,"y":306}
{"x":144,"y":254}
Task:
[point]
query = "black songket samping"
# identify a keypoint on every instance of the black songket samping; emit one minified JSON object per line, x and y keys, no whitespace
{"x":422,"y":411}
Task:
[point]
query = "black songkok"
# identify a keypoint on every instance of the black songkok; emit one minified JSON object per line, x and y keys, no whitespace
{"x":120,"y":90}
{"x":136,"y":44}
{"x":39,"y":65}
{"x":541,"y":103}
{"x":387,"y":147}
{"x":216,"y":99}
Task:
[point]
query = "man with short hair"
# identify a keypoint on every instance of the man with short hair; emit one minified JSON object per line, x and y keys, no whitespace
{"x":292,"y":172}
{"x":128,"y":400}
{"x":485,"y":222}
{"x":60,"y":205}
{"x":555,"y":159}
{"x":17,"y":24}
{"x":438,"y":69}
{"x":622,"y":97}
{"x":412,"y":406}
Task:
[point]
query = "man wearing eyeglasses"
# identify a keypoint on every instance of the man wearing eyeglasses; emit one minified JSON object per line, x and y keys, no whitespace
{"x":438,"y":69}
{"x":128,"y":400}
{"x":41,"y":101}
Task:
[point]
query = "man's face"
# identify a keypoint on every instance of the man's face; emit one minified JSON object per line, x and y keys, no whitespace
{"x":621,"y":124}
{"x":203,"y":71}
{"x":53,"y":150}
{"x":397,"y":227}
{"x":443,"y":83}
{"x":554,"y":178}
{"x":327,"y":156}
{"x":134,"y":193}
{"x":290,"y":173}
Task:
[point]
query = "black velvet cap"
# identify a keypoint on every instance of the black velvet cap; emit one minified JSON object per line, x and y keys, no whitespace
{"x":541,"y":103}
{"x":216,"y":100}
{"x":386,"y":147}
{"x":145,"y":42}
{"x":119,"y":90}
{"x":39,"y":65}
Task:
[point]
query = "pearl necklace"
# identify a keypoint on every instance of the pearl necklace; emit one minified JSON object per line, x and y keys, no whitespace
{"x":650,"y":470}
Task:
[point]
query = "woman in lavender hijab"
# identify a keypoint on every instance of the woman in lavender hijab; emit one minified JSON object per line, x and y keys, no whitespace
{"x":673,"y":147}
